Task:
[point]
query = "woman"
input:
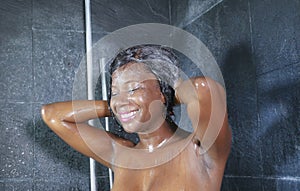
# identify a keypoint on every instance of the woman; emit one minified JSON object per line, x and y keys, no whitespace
{"x":144,"y":87}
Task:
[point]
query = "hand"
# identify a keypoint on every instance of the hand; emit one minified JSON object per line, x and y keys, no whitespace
{"x":177,"y":85}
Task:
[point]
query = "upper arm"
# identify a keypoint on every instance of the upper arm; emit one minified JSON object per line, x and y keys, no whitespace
{"x":208,"y":113}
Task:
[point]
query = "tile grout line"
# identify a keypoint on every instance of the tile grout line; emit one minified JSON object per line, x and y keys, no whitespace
{"x":154,"y":12}
{"x":33,"y":98}
{"x":199,"y":15}
{"x":290,"y":178}
{"x":256,"y":83}
{"x":279,"y":68}
{"x":170,"y":12}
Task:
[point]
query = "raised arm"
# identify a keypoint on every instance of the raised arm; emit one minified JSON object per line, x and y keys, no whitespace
{"x":206,"y":107}
{"x":69,"y":121}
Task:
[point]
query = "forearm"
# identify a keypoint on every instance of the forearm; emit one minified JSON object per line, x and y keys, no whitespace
{"x":75,"y":111}
{"x":67,"y":120}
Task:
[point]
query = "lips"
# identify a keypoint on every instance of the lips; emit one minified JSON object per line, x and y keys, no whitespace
{"x":127,"y":116}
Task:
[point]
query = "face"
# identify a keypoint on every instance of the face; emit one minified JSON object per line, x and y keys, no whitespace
{"x":136,"y":99}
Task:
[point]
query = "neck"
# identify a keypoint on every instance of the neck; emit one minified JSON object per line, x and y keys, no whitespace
{"x":157,"y":138}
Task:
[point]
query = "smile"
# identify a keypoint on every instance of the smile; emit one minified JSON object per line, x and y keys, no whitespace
{"x":125,"y":117}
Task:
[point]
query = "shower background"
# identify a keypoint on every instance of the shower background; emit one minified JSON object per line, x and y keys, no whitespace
{"x":255,"y":42}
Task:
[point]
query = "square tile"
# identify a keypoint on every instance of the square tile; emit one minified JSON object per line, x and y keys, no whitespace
{"x":112,"y":15}
{"x":15,"y":14}
{"x":56,"y":57}
{"x":58,"y":15}
{"x":288,"y":185}
{"x":276,"y":33}
{"x":16,"y":78}
{"x":17,"y":141}
{"x":17,"y":185}
{"x":54,"y":159}
{"x":279,"y":109}
{"x":241,"y":183}
{"x":183,"y":12}
{"x":62,"y":184}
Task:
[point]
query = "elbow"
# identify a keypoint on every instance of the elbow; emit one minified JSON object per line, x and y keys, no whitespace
{"x":47,"y":114}
{"x":44,"y":112}
{"x":206,"y":86}
{"x":52,"y":117}
{"x":202,"y":87}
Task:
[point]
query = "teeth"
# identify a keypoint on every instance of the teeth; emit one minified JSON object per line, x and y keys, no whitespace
{"x":128,"y":115}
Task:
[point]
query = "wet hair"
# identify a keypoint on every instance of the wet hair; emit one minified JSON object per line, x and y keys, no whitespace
{"x":160,"y":60}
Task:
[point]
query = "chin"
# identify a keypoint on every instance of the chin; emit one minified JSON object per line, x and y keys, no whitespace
{"x":129,"y":129}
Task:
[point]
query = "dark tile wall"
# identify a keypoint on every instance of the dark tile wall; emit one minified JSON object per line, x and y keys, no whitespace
{"x":226,"y":32}
{"x":279,"y":111}
{"x":112,"y":15}
{"x":41,"y":45}
{"x":276,"y":37}
{"x":256,"y":46}
{"x":184,"y":12}
{"x":17,"y":149}
{"x":275,"y":29}
{"x":16,"y":47}
{"x":62,"y":15}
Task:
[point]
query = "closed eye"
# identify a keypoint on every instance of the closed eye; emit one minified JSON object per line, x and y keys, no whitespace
{"x":131,"y":91}
{"x":113,"y":94}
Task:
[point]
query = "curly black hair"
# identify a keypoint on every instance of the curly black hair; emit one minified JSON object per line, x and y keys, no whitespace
{"x":160,"y":60}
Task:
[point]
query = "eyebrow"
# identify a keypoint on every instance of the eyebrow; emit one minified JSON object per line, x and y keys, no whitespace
{"x":127,"y":82}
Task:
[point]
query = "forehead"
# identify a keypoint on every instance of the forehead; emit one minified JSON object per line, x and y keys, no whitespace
{"x":132,"y":72}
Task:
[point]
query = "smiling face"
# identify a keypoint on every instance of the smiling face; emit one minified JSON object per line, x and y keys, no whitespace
{"x":136,"y":99}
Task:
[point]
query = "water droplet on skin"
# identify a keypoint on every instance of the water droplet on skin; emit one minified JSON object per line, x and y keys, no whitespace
{"x":150,"y":148}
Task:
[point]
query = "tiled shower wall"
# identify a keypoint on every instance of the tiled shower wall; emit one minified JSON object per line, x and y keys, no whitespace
{"x":256,"y":44}
{"x":42,"y":44}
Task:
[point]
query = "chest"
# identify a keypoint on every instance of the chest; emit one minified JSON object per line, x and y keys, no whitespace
{"x":184,"y":172}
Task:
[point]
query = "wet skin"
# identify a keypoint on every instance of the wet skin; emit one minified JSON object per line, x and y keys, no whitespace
{"x":136,"y":99}
{"x":138,"y":105}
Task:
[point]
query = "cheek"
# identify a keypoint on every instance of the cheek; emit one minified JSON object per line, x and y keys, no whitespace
{"x":146,"y":97}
